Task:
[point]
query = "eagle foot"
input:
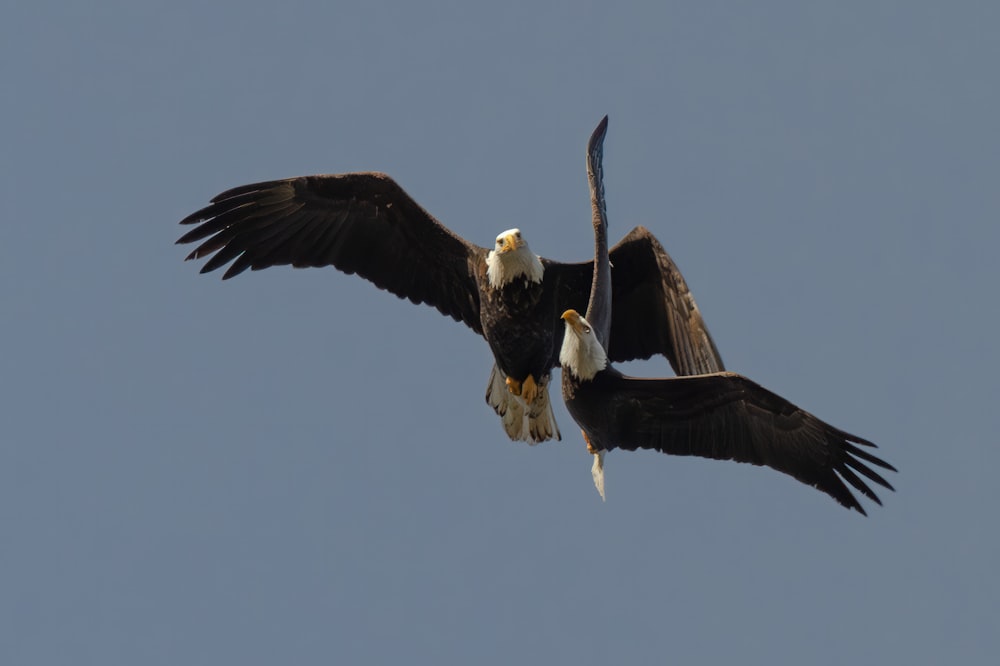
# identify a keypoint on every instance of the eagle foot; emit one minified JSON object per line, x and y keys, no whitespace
{"x":513,"y":386}
{"x":590,"y":447}
{"x":529,"y":390}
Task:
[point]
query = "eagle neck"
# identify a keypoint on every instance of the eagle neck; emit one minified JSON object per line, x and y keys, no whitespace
{"x":502,"y":269}
{"x":582,"y":355}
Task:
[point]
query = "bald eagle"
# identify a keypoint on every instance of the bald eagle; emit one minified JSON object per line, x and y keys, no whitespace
{"x":365,"y":223}
{"x":715,"y":414}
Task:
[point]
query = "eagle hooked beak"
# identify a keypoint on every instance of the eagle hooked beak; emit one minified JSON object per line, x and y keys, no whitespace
{"x":509,"y":242}
{"x":576,"y":322}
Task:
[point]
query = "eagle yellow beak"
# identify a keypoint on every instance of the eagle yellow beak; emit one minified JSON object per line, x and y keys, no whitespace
{"x":509,"y":240}
{"x":508,"y":243}
{"x":573,"y":318}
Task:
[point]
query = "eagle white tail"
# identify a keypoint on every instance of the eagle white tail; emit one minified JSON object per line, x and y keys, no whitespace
{"x":532,"y":423}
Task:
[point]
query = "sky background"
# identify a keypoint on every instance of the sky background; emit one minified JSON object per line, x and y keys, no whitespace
{"x":294,"y":467}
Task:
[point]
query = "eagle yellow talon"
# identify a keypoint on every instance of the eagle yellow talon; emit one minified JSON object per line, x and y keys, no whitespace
{"x":590,"y":447}
{"x":529,"y":390}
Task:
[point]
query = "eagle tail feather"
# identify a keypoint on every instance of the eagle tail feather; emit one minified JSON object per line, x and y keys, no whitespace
{"x":523,"y":423}
{"x":541,"y":419}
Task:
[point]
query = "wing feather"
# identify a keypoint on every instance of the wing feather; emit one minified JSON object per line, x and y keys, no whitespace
{"x":725,"y":416}
{"x":599,"y":306}
{"x":652,"y":309}
{"x":361,"y":223}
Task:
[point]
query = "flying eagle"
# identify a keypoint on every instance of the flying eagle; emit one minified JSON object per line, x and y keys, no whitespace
{"x":365,"y":223}
{"x":715,"y":414}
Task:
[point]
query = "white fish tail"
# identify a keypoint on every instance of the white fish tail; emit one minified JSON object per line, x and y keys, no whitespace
{"x":597,"y":471}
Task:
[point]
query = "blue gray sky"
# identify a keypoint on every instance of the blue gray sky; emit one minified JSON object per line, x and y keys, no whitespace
{"x":294,"y":467}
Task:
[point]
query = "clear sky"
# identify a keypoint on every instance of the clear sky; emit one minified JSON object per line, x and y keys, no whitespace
{"x":294,"y":467}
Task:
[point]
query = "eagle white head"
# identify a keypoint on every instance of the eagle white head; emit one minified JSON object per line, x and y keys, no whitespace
{"x":582,"y":353}
{"x":510,"y":259}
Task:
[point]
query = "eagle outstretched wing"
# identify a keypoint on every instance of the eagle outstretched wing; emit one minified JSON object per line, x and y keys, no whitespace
{"x":360,"y":223}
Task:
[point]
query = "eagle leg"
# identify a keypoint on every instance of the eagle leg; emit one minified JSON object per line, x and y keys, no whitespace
{"x":529,"y":389}
{"x":590,"y":447}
